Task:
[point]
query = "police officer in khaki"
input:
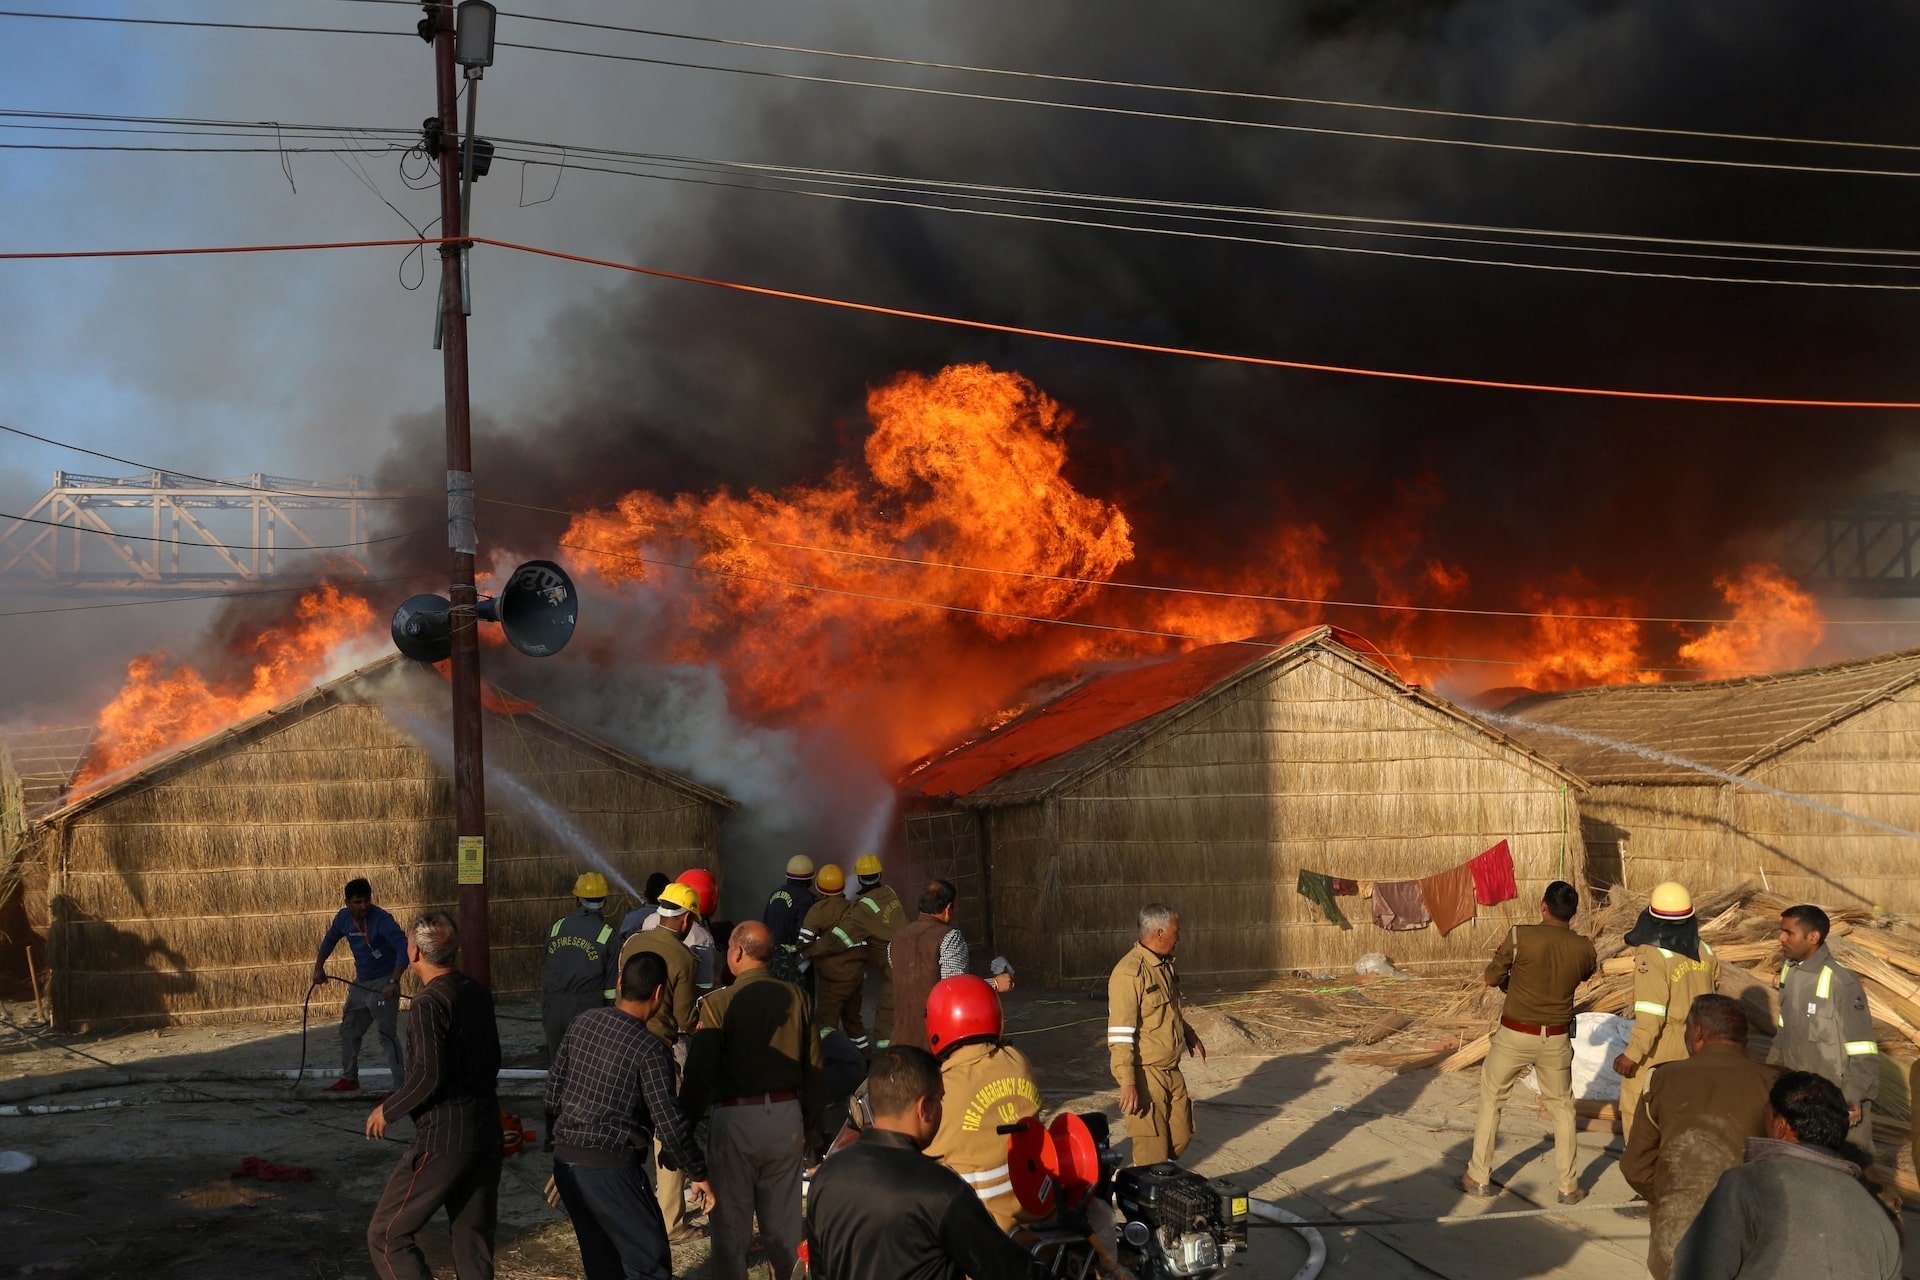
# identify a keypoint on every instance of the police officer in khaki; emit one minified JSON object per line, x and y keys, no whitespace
{"x":988,"y":1084}
{"x":1824,"y":1024}
{"x":1539,"y":966}
{"x":1671,"y":969}
{"x":1147,"y":1032}
{"x":876,"y":916}
{"x":672,"y":1022}
{"x":839,"y":963}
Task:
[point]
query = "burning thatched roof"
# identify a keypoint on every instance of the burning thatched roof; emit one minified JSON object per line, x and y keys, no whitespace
{"x":46,"y":760}
{"x":1089,"y":723}
{"x":1730,"y":725}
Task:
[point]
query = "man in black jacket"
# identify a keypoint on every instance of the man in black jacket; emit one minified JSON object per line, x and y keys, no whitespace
{"x":453,"y":1059}
{"x":880,"y":1210}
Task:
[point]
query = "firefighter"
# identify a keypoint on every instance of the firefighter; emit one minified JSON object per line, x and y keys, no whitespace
{"x":875,"y":918}
{"x":672,"y":1022}
{"x":580,"y":971}
{"x":699,"y":936}
{"x":1671,"y":967}
{"x":786,"y":909}
{"x":1147,"y":1032}
{"x":988,"y":1084}
{"x":1824,"y":1024}
{"x":839,"y":963}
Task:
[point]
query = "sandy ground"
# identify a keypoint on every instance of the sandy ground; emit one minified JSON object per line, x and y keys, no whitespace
{"x":143,"y":1189}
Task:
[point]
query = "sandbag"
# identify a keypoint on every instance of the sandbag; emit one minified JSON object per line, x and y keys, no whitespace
{"x":1598,"y":1038}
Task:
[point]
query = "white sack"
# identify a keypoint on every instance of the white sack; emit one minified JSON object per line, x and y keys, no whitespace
{"x":1598,"y":1038}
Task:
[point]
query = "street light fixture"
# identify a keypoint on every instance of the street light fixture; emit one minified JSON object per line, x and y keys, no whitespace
{"x":473,"y":36}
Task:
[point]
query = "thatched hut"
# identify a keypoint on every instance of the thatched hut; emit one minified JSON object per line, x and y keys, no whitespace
{"x":1845,"y":736}
{"x":1210,"y":781}
{"x":198,"y":885}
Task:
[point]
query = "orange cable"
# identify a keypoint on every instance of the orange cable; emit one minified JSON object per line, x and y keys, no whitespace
{"x":871,"y":308}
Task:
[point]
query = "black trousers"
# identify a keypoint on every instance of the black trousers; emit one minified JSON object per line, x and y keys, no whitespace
{"x":466,"y":1186}
{"x":617,"y":1221}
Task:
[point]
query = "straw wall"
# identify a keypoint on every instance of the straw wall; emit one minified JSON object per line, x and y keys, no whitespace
{"x":203,"y":892}
{"x":949,"y":844}
{"x":1703,"y":834}
{"x":1320,"y":765}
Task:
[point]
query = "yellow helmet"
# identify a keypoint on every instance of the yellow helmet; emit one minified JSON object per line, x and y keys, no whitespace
{"x":1671,"y":901}
{"x":590,"y":885}
{"x":867,"y":867}
{"x":678,"y":899}
{"x":831,"y":879}
{"x":800,"y":866}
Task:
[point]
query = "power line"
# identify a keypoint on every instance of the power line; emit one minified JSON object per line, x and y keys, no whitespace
{"x":214,"y":595}
{"x":1052,"y":335}
{"x":1242,"y":95}
{"x":241,"y":485}
{"x":186,"y":22}
{"x":229,"y":546}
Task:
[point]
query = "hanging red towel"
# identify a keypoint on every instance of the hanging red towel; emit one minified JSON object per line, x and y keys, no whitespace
{"x":1493,"y":876}
{"x":1448,"y":898}
{"x":1344,"y":888}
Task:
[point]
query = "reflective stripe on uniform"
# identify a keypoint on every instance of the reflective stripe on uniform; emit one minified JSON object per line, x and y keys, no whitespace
{"x":1648,"y":1006}
{"x":1825,"y":988}
{"x":869,"y":904}
{"x":555,"y":931}
{"x":881,"y":1044}
{"x":611,"y":993}
{"x":989,"y":1183}
{"x":807,"y":935}
{"x":1120,"y":1035}
{"x":861,"y":1041}
{"x":842,"y":935}
{"x":606,"y":931}
{"x":1856,"y":1048}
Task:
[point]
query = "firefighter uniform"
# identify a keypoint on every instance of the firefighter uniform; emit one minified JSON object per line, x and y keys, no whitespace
{"x":987,"y":1085}
{"x":785,"y":913}
{"x":579,"y":972}
{"x":1665,"y":984}
{"x":1146,"y":1034}
{"x":1824,"y":1028}
{"x":839,"y":967}
{"x":876,"y":916}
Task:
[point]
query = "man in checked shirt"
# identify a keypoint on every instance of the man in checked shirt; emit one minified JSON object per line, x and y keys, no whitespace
{"x":610,"y":1089}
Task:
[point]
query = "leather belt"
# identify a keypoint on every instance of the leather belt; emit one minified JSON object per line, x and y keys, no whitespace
{"x":1529,"y":1029}
{"x":753,"y":1099}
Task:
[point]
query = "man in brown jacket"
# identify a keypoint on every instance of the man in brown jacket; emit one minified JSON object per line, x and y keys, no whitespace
{"x":755,"y":1066}
{"x":1693,"y":1122}
{"x":672,"y":1022}
{"x":1147,"y":1033}
{"x":923,"y":954}
{"x":1539,"y":966}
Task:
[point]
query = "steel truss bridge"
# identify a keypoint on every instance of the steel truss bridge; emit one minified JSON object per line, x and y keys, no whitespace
{"x":1867,"y":546}
{"x":160,"y":531}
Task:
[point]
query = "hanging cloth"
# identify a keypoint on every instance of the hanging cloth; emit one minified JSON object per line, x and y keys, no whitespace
{"x":1397,"y":905}
{"x":1344,"y":888}
{"x":1318,"y":890}
{"x":1493,"y":876}
{"x":1449,"y":898}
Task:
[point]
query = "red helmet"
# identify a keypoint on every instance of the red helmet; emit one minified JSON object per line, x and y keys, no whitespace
{"x":962,"y":1008}
{"x":701,"y":881}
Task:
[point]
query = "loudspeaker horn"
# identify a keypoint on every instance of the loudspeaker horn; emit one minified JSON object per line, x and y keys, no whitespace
{"x":537,"y":609}
{"x":423,"y":628}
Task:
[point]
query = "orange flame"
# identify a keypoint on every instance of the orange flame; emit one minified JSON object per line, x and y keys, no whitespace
{"x":165,"y":703}
{"x":1775,"y":625}
{"x":1595,"y":646}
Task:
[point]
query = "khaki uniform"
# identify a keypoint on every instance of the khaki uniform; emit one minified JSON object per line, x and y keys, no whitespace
{"x":1665,"y":985}
{"x":839,"y":968}
{"x":1146,"y":1034}
{"x":1540,"y":965}
{"x":754,"y":1066}
{"x":1694,"y":1120}
{"x":987,"y":1085}
{"x":1825,"y":1028}
{"x":875,"y":918}
{"x":672,"y":1023}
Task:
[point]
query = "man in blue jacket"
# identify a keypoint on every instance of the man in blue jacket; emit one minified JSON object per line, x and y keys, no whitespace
{"x":379,"y":949}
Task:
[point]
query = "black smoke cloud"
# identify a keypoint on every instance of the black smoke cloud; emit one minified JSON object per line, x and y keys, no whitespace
{"x":673,"y":387}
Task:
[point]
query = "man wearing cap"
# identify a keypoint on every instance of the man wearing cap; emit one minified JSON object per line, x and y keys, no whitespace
{"x":839,"y":963}
{"x":671,"y":1021}
{"x":877,"y":915}
{"x":786,"y":910}
{"x":1824,"y":1024}
{"x":1671,"y":969}
{"x":755,"y":1067}
{"x":1539,"y":966}
{"x":581,"y":969}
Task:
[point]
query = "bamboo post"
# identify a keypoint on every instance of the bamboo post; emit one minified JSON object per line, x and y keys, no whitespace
{"x":33,"y":981}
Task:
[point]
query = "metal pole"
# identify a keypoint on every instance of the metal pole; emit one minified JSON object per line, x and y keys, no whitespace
{"x":469,"y":795}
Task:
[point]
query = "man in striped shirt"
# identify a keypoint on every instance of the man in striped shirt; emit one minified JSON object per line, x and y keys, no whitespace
{"x":453,"y":1162}
{"x":609,"y":1091}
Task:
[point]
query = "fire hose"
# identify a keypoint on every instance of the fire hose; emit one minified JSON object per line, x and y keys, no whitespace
{"x":1274,"y":1215}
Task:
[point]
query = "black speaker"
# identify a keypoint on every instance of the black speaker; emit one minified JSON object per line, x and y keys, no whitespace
{"x":423,"y":628}
{"x":537,"y":609}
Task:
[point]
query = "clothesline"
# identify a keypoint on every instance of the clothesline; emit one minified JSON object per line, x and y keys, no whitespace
{"x":1445,"y":900}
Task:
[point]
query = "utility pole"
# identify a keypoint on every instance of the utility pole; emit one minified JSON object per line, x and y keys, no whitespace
{"x":469,"y":783}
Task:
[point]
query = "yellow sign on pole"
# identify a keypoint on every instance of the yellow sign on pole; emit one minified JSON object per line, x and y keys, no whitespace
{"x":473,"y":859}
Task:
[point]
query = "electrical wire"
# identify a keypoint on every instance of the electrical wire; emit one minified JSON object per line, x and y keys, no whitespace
{"x":1023,"y":331}
{"x":215,"y":595}
{"x":229,"y":546}
{"x":195,"y":22}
